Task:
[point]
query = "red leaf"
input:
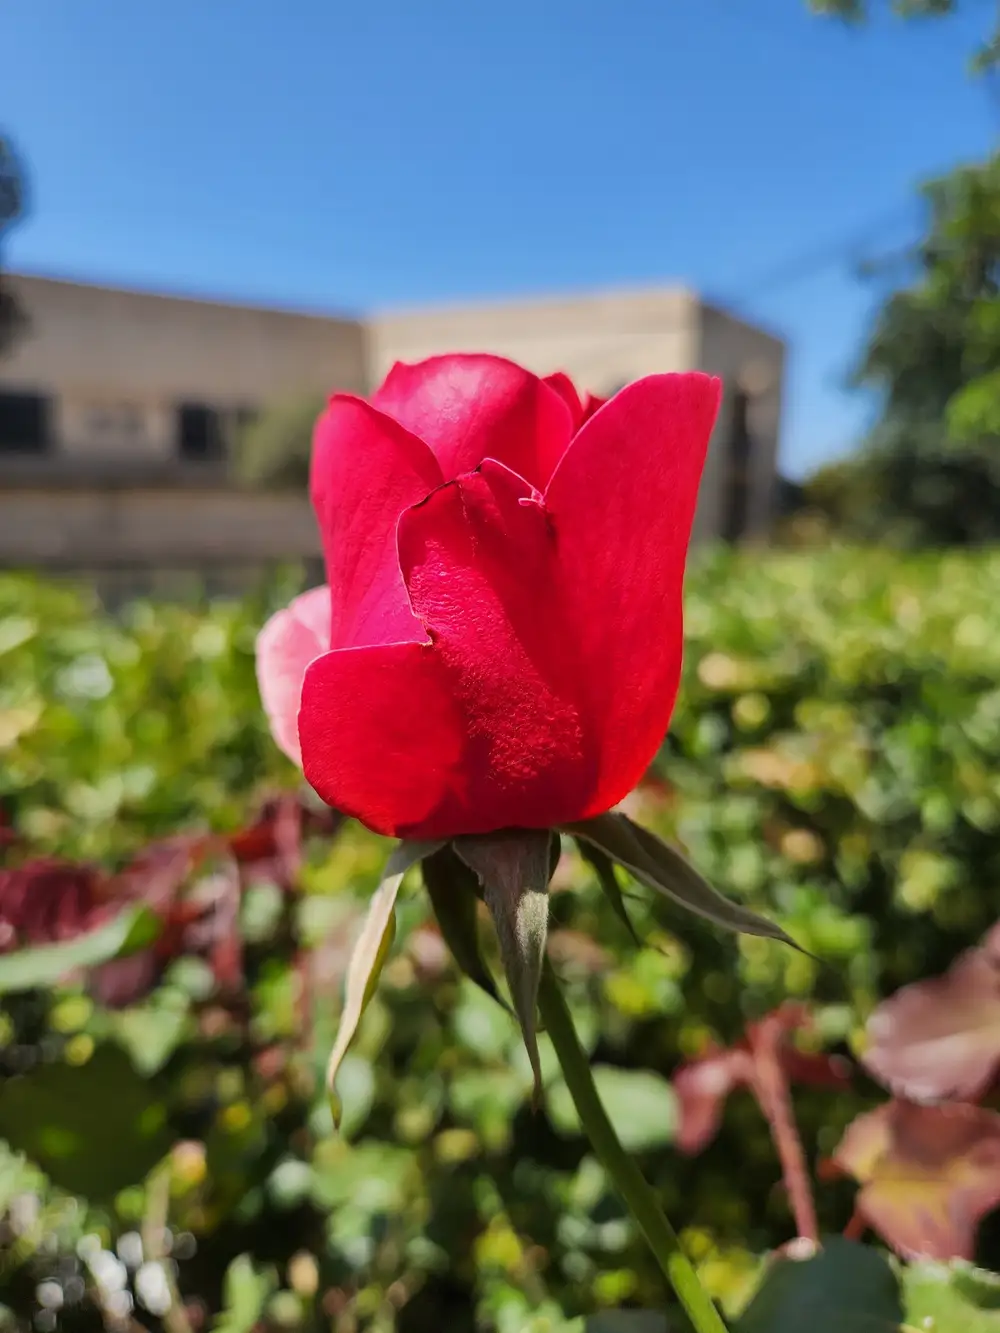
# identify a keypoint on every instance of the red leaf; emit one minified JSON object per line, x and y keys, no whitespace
{"x":928,"y":1175}
{"x":702,"y":1087}
{"x":940,"y":1038}
{"x":270,"y":848}
{"x":47,"y":900}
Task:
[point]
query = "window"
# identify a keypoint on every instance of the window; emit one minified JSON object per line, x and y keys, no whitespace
{"x":200,"y":436}
{"x":736,"y":497}
{"x":24,"y":423}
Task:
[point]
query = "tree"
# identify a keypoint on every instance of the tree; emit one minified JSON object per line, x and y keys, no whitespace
{"x":930,"y":468}
{"x":273,"y":450}
{"x":855,"y":11}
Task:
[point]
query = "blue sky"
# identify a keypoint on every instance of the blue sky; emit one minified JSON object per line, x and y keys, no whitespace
{"x":393,"y":152}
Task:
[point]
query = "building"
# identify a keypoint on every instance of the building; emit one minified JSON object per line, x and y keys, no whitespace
{"x":118,"y":410}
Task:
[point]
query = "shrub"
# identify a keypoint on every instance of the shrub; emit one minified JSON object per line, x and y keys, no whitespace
{"x":832,"y":762}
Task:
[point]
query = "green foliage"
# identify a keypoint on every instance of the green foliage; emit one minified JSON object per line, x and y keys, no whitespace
{"x":273,"y":451}
{"x":940,"y":1297}
{"x":855,"y":11}
{"x":930,"y":471}
{"x":845,"y":1286}
{"x":833,"y":763}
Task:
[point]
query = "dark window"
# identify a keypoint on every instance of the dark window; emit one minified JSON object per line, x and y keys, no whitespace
{"x":736,"y":498}
{"x":24,"y":423}
{"x":200,"y":436}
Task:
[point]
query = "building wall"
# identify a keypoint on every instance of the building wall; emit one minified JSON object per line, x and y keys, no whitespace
{"x":104,"y":354}
{"x":606,"y":340}
{"x":66,"y":528}
{"x":117,"y":497}
{"x":600,"y":341}
{"x":749,"y":361}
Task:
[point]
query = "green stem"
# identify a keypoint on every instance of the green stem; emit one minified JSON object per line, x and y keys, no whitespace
{"x":628,"y":1179}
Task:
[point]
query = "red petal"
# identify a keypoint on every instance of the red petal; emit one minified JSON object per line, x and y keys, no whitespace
{"x":290,"y":640}
{"x":622,"y":502}
{"x":382,"y":739}
{"x":480,"y":729}
{"x":555,"y":635}
{"x":471,"y":407}
{"x":566,"y":389}
{"x":590,"y":405}
{"x":366,"y":469}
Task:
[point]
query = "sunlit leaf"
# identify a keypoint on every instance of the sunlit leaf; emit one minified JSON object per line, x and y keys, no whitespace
{"x":940,"y":1038}
{"x":369,"y":954}
{"x":152,"y":1031}
{"x":928,"y":1174}
{"x":640,"y":1104}
{"x":245,"y":1292}
{"x":941,"y":1297}
{"x":46,"y":964}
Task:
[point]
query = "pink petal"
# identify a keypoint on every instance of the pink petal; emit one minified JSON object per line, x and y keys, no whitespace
{"x":366,"y":469}
{"x":622,"y":502}
{"x":471,"y":407}
{"x":290,"y":640}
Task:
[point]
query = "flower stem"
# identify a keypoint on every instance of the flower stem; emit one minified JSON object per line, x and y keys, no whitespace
{"x":627,"y":1178}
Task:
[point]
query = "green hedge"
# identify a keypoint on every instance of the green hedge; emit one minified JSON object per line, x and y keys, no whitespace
{"x":833,"y":761}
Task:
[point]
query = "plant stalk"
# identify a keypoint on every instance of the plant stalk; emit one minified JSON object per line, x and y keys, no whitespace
{"x":771,"y":1087}
{"x":628,"y":1179}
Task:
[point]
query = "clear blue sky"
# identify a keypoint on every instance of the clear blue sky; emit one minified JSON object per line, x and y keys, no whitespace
{"x":392,"y":152}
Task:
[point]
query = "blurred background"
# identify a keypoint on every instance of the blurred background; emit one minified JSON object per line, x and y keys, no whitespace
{"x":210,"y":217}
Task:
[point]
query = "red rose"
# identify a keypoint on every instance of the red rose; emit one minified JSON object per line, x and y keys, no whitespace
{"x":505,"y":568}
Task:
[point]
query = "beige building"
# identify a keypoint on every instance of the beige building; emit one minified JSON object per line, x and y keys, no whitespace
{"x":118,"y":410}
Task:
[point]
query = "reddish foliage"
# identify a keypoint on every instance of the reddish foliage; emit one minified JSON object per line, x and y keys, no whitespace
{"x":703,"y":1085}
{"x":48,"y":900}
{"x":270,"y":848}
{"x":928,"y":1174}
{"x":940,"y":1038}
{"x":45,"y":901}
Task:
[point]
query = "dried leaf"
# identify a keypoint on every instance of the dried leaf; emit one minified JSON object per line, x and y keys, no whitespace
{"x":663,"y":869}
{"x":452,"y":888}
{"x":928,"y":1174}
{"x":940,"y":1038}
{"x":514,"y":869}
{"x":369,"y":954}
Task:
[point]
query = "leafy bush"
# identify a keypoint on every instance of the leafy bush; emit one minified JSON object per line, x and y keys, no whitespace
{"x":832,"y":762}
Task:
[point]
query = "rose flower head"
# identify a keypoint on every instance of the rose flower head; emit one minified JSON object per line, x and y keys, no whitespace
{"x":495,"y":656}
